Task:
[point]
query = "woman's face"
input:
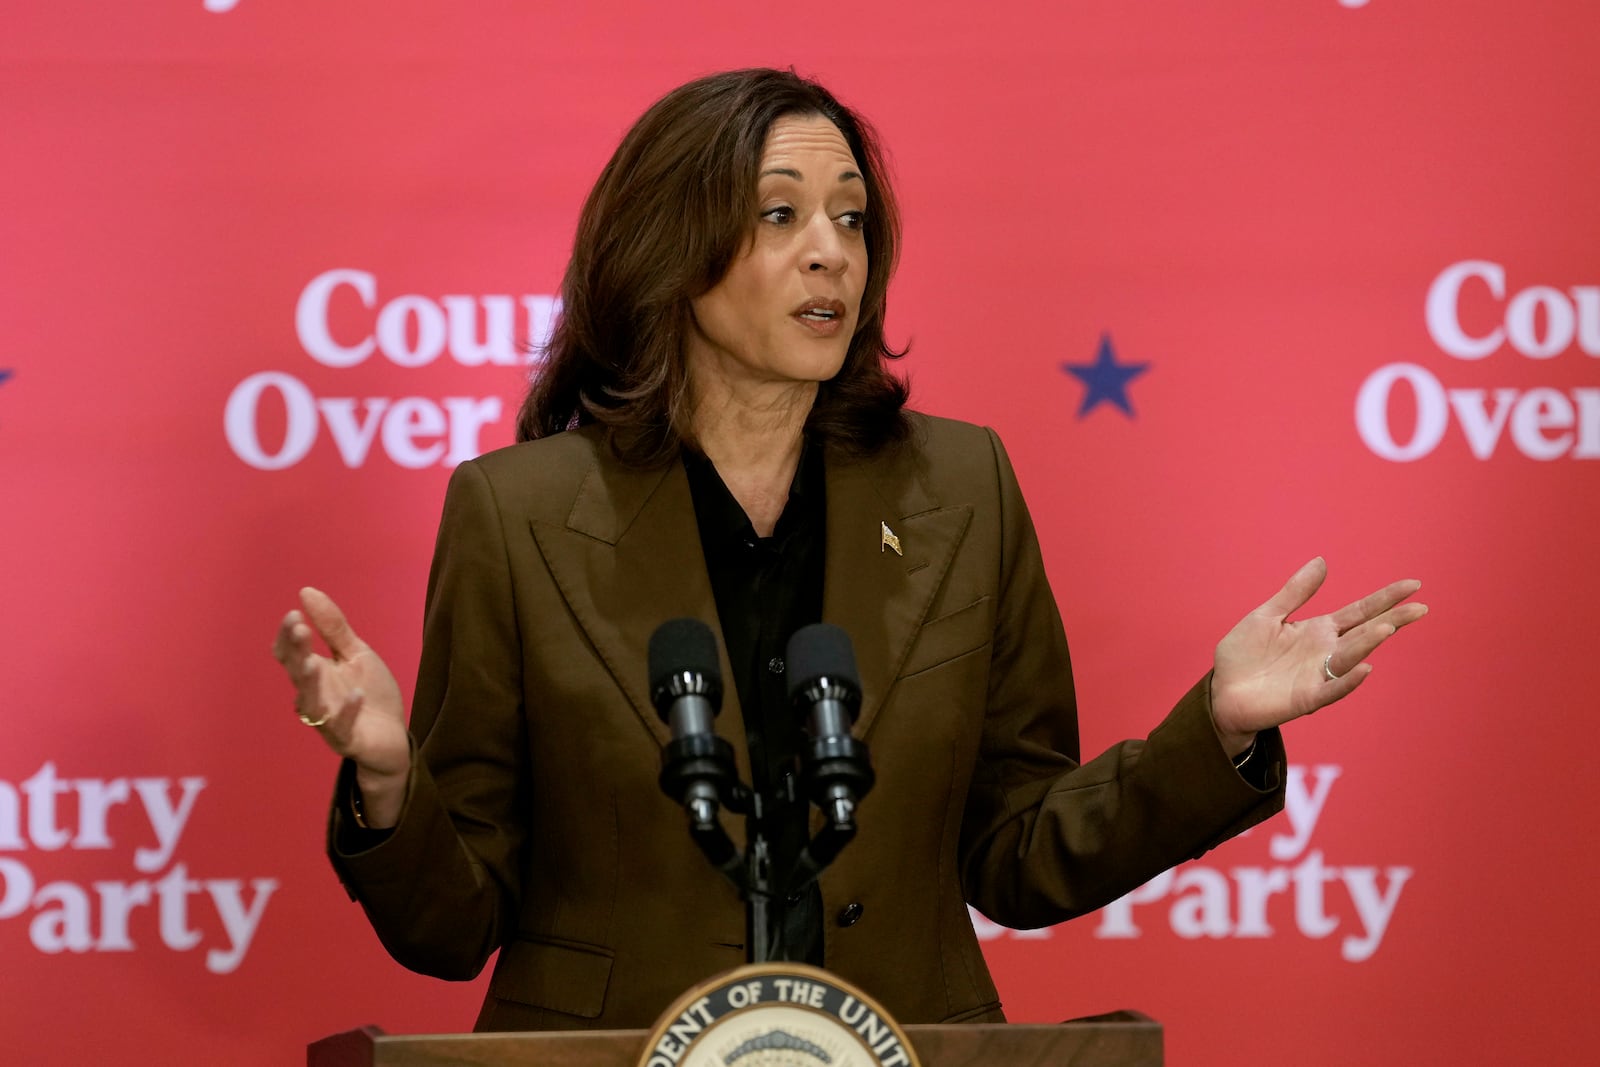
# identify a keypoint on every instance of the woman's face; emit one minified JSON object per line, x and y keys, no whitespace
{"x":788,"y":306}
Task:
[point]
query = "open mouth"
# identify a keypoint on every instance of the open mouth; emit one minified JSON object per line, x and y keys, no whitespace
{"x":820,"y":312}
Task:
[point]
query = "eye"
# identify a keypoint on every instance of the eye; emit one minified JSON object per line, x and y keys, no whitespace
{"x":781,"y":216}
{"x":853,"y":220}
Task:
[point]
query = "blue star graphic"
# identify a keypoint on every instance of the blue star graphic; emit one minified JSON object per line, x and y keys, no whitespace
{"x":1106,"y":379}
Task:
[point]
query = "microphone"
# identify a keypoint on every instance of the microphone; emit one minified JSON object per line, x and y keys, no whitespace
{"x":837,"y":772}
{"x":697,"y":766}
{"x":685,"y":680}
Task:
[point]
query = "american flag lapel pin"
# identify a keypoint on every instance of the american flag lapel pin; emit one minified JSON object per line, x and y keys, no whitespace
{"x":889,"y":540}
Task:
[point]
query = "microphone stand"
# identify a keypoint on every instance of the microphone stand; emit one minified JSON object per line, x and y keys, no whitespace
{"x":699,"y":771}
{"x":758,"y":889}
{"x":684,"y":775}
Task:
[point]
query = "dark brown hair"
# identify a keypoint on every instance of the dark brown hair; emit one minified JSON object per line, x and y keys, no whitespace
{"x":671,"y":211}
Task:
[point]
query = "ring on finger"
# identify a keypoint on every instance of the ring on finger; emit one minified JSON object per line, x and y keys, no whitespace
{"x":307,"y":720}
{"x":1327,"y":670}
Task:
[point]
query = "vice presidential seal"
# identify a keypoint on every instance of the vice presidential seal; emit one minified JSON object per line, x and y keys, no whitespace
{"x":776,"y":1015}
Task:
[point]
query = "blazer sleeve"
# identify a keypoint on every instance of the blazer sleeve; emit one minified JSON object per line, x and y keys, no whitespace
{"x":442,"y":886}
{"x":1045,"y":838}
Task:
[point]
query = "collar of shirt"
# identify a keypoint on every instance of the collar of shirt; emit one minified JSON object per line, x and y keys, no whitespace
{"x":723,"y":523}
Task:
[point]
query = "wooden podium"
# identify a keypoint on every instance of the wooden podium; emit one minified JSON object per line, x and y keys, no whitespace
{"x":1121,"y":1039}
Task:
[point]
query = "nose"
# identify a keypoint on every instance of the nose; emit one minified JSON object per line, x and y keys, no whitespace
{"x":825,"y":249}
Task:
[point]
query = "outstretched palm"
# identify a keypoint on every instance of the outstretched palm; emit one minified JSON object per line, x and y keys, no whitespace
{"x":1270,"y":670}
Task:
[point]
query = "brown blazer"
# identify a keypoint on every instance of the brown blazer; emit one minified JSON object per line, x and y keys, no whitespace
{"x":534,"y":824}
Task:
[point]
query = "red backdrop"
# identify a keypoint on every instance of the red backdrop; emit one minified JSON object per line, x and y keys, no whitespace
{"x":265,"y":269}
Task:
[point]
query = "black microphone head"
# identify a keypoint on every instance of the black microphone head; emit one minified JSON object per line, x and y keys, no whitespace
{"x":822,"y":651}
{"x":683,"y":659}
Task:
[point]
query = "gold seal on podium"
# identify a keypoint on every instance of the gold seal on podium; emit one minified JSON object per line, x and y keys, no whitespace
{"x":776,"y":1015}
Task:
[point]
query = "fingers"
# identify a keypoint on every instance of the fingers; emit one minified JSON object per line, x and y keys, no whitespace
{"x":330,"y":623}
{"x":1342,"y":686}
{"x":292,"y":646}
{"x":1400,"y":616}
{"x":1356,"y":645}
{"x":1372,"y":606}
{"x":1369,"y":635}
{"x":308,"y":697}
{"x":1300,"y":587}
{"x":283,"y":643}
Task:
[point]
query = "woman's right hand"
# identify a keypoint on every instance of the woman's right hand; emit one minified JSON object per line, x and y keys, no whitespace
{"x":353,"y":701}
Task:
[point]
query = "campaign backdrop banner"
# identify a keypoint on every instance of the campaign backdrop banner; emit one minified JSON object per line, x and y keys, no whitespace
{"x":1238,"y":283}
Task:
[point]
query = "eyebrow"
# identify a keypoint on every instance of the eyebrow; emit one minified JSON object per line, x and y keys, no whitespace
{"x":844,"y":176}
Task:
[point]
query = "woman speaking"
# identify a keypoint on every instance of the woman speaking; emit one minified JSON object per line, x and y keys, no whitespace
{"x":714,"y":433}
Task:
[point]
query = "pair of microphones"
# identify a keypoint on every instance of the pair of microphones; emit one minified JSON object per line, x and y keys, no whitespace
{"x":697,"y":766}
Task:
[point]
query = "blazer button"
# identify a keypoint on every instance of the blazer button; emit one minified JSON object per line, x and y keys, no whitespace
{"x":850,"y":914}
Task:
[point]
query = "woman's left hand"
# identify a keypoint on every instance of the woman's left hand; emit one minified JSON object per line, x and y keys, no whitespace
{"x":1270,"y":670}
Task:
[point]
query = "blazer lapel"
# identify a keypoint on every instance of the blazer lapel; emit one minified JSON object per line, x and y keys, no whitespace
{"x":628,"y":559}
{"x":881,"y":597}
